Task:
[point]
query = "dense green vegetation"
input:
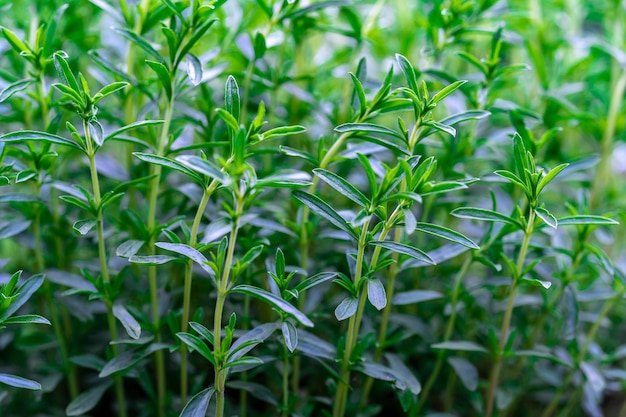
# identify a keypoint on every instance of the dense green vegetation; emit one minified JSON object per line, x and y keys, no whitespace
{"x":312,"y":208}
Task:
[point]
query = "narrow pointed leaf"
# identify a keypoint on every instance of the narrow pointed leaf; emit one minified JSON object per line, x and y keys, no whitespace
{"x":188,"y":252}
{"x":30,"y":135}
{"x":547,"y":217}
{"x":342,"y":186}
{"x":445,"y":233}
{"x":321,"y":208}
{"x":199,"y":404}
{"x":131,"y":325}
{"x":405,"y":250}
{"x":376,"y":293}
{"x":277,"y":302}
{"x":195,"y":343}
{"x":19,"y":382}
{"x":485,"y":215}
{"x":347,"y":308}
{"x":582,"y":220}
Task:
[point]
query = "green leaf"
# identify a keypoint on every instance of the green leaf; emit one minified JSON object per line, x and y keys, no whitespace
{"x":376,"y":293}
{"x":152,"y":259}
{"x":347,"y":308}
{"x":88,"y":400}
{"x":109,"y":89}
{"x":140,"y":42}
{"x":204,"y":167}
{"x":132,"y":327}
{"x":364,"y":128}
{"x":485,"y":215}
{"x":260,"y":46}
{"x":188,"y":252}
{"x":168,"y":163}
{"x":194,"y":69}
{"x":164,"y":76}
{"x":467,"y":373}
{"x":199,"y":404}
{"x":19,"y":382}
{"x":277,"y":302}
{"x":342,"y":186}
{"x":446,"y":91}
{"x":26,"y":319}
{"x":290,"y":334}
{"x":13,"y":88}
{"x":405,"y":250}
{"x":445,"y":233}
{"x":583,"y":220}
{"x":65,"y":73}
{"x":205,"y":333}
{"x":321,"y":208}
{"x":409,"y":73}
{"x":315,"y":280}
{"x":25,"y":291}
{"x":96,"y":132}
{"x":129,"y":248}
{"x":360,"y":93}
{"x":134,"y":125}
{"x":536,"y":282}
{"x":195,"y":343}
{"x":31,"y":135}
{"x":282,"y":131}
{"x":15,"y":42}
{"x":299,"y":154}
{"x":441,"y":127}
{"x":547,"y":217}
{"x":462,"y":345}
{"x":231,"y":98}
{"x":550,"y":176}
{"x":514,"y":179}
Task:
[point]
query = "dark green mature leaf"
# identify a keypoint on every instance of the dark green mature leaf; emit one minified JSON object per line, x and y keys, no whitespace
{"x":342,"y":186}
{"x":134,"y":125}
{"x":415,"y":296}
{"x":26,"y":290}
{"x":290,"y":334}
{"x":31,"y":135}
{"x":249,"y":340}
{"x":19,"y":382}
{"x":204,"y":167}
{"x":405,"y":250}
{"x":376,"y":293}
{"x":87,"y":400}
{"x":65,"y":73}
{"x":282,"y":131}
{"x":152,"y":259}
{"x":195,"y":343}
{"x":168,"y":163}
{"x":347,"y":308}
{"x":485,"y":215}
{"x":277,"y":302}
{"x":131,"y":325}
{"x":164,"y":76}
{"x":188,"y":252}
{"x":15,"y":42}
{"x":314,"y":280}
{"x":321,"y":208}
{"x":367,"y":128}
{"x":445,"y":233}
{"x":360,"y":93}
{"x":467,"y":373}
{"x":199,"y":404}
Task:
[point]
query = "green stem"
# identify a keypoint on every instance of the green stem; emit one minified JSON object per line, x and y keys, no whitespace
{"x":341,"y":396}
{"x":506,"y":322}
{"x":184,"y":325}
{"x":152,"y":270}
{"x":220,"y":373}
{"x":104,"y":269}
{"x":285,"y":412}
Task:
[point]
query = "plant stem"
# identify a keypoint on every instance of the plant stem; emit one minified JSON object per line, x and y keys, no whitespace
{"x":223,"y":284}
{"x":341,"y":396}
{"x":152,"y":270}
{"x":184,"y":325}
{"x":104,"y":269}
{"x":285,"y":412}
{"x":506,"y":322}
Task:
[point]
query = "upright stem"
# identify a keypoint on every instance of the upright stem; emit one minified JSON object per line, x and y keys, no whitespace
{"x":152,"y":271}
{"x":285,"y":412}
{"x":220,"y":373}
{"x":184,"y":325}
{"x":341,"y":396}
{"x":506,"y":322}
{"x":104,"y":268}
